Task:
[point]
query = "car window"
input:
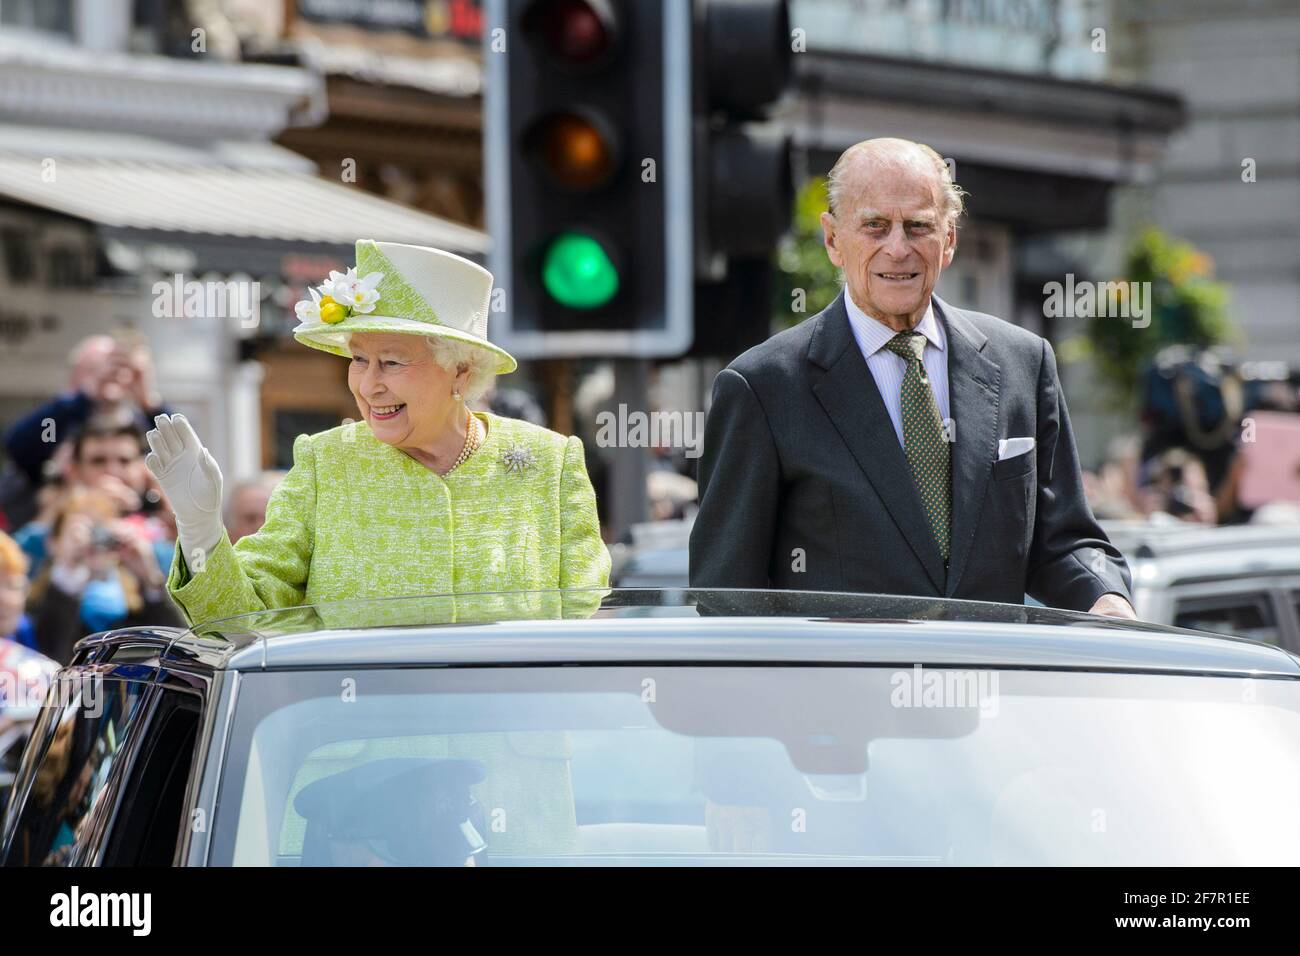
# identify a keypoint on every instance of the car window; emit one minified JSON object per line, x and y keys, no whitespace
{"x":1247,"y":614}
{"x":88,"y":727}
{"x":147,"y":828}
{"x":731,"y":765}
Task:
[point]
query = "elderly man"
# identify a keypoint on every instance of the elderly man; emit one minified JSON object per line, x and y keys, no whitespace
{"x":894,"y":443}
{"x":246,"y":510}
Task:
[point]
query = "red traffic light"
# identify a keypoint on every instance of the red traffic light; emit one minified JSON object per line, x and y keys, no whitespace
{"x":576,"y":33}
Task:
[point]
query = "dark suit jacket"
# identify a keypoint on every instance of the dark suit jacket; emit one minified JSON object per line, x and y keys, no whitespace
{"x":803,"y":483}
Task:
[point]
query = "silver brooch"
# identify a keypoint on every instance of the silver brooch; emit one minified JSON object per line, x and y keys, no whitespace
{"x":517,"y":458}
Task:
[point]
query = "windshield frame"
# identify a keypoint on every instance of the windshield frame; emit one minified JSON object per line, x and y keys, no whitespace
{"x":221,"y":836}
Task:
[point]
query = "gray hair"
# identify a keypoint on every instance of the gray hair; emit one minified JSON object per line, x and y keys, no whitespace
{"x":454,"y":357}
{"x":889,"y":149}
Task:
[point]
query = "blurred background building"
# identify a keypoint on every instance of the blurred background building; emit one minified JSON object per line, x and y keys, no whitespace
{"x":1236,"y":65}
{"x":139,"y":143}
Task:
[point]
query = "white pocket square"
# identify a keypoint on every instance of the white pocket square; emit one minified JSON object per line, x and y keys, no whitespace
{"x":1011,"y":447}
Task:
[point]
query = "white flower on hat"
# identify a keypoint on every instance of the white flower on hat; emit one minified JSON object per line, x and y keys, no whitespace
{"x":308,"y":310}
{"x":340,"y":296}
{"x":356,"y":294}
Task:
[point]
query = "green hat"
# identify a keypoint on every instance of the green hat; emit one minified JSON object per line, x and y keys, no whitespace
{"x":401,"y":288}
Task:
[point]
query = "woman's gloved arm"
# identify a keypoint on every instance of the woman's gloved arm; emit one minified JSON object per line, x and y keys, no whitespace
{"x":265,"y":570}
{"x":191,"y":480}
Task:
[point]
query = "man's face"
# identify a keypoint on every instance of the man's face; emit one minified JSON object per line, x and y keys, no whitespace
{"x":117,"y":455}
{"x":247,"y":511}
{"x":890,"y":238}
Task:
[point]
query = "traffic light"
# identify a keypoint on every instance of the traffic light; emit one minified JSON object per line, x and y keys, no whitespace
{"x":587,"y":139}
{"x":743,"y":191}
{"x":626,"y":161}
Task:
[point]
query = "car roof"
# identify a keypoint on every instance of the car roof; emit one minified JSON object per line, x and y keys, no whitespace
{"x":678,"y":626}
{"x":1165,"y":554}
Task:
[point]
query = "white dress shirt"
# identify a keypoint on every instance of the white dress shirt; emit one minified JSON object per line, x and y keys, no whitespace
{"x":888,"y":368}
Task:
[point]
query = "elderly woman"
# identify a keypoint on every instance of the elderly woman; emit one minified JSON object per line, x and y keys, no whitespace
{"x":419,"y":497}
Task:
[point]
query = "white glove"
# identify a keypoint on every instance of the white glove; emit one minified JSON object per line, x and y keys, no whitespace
{"x":191,"y":480}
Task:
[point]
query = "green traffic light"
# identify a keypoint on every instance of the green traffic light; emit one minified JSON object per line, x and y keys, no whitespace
{"x":578,"y":272}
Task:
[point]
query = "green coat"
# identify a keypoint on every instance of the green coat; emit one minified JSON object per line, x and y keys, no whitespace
{"x":357,"y":518}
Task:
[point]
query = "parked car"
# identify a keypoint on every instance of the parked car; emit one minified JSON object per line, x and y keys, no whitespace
{"x":665,"y":727}
{"x":658,"y":555}
{"x":1237,"y":579}
{"x":1242,"y":580}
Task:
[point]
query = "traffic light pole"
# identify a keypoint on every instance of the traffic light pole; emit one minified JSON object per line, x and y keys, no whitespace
{"x":629,"y":501}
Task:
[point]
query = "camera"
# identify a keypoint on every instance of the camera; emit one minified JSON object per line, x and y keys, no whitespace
{"x":104,"y":540}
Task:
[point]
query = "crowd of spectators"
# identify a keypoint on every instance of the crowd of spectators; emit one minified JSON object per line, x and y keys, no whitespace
{"x":86,"y":534}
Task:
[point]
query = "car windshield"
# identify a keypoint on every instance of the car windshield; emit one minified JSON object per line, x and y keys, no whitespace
{"x":726,"y":765}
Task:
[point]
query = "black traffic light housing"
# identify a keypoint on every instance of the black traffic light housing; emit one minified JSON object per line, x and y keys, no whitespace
{"x":743,"y":191}
{"x":588,"y":156}
{"x":627,"y":165}
{"x":743,"y":187}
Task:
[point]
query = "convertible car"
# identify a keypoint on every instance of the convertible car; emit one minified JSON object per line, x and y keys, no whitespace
{"x":663,"y":727}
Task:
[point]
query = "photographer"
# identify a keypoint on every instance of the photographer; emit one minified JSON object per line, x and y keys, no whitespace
{"x":109,"y":375}
{"x":102,"y":573}
{"x":106,"y":455}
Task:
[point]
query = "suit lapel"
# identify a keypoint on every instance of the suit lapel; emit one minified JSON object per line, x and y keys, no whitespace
{"x":974,"y":384}
{"x":847,"y":391}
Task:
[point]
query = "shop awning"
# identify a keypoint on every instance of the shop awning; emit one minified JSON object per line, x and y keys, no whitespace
{"x":253,"y":191}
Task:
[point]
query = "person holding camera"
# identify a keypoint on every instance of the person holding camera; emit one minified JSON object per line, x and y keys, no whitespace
{"x":107,"y":455}
{"x":109,"y":375}
{"x":102,"y":573}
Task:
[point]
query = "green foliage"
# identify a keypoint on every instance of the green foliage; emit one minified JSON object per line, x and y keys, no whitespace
{"x":1187,"y":307}
{"x":803,"y":275}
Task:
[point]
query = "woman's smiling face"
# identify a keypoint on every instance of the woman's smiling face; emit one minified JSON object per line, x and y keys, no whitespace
{"x":401,"y":392}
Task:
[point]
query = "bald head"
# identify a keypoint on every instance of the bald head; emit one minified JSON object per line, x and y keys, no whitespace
{"x":888,"y":155}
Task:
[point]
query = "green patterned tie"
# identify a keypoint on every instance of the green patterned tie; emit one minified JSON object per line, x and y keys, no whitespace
{"x":924,"y":439}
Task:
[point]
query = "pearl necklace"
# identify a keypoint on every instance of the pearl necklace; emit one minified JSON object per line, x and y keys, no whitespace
{"x":472,"y":442}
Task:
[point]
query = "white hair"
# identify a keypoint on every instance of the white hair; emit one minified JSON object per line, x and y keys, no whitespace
{"x":455,"y":357}
{"x":889,"y":149}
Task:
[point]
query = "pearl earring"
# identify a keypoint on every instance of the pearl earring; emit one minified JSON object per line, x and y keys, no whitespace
{"x":456,"y":395}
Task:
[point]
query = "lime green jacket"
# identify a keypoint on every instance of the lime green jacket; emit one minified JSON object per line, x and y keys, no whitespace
{"x":357,"y":518}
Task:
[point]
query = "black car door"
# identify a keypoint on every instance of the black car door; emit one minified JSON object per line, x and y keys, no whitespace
{"x":147,"y":822}
{"x":105,"y":776}
{"x":71,"y":766}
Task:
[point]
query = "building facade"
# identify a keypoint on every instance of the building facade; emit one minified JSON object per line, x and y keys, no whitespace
{"x":142,"y":187}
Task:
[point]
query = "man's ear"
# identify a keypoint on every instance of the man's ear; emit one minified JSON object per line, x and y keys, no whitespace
{"x":951,"y":251}
{"x":828,"y":239}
